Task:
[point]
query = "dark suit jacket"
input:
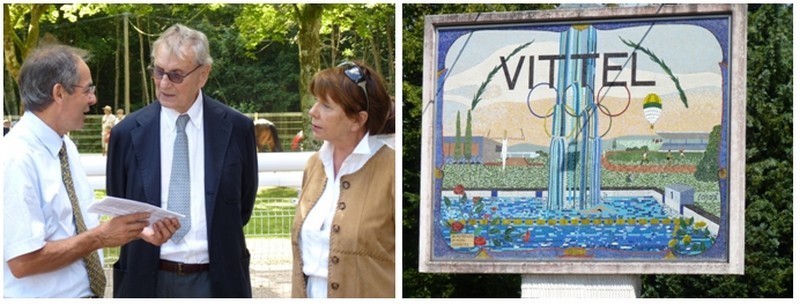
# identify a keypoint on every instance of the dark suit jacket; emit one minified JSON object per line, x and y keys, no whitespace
{"x":133,"y":171}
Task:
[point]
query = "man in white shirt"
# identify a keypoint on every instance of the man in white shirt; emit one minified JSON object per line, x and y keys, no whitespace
{"x":51,"y":245}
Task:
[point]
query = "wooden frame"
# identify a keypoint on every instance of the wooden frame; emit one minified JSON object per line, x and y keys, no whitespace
{"x":681,"y":69}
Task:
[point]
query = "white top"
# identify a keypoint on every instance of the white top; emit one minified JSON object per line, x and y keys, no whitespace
{"x":193,"y":248}
{"x":37,"y":208}
{"x":315,"y":234}
{"x":109,"y":120}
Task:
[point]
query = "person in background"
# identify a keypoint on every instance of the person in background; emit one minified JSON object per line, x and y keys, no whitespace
{"x":343,"y":236}
{"x":120,"y":116}
{"x":51,"y":245}
{"x":107,"y":123}
{"x":6,"y":126}
{"x":189,"y":153}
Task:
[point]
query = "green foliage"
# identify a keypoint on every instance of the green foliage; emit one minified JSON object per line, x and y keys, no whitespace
{"x":256,"y":63}
{"x":477,"y":98}
{"x":768,"y":197}
{"x":663,"y":66}
{"x":468,"y":138}
{"x":458,"y":151}
{"x":264,"y":83}
{"x":708,"y":166}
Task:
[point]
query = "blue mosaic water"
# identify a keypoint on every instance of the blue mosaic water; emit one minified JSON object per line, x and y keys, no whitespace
{"x":633,"y":224}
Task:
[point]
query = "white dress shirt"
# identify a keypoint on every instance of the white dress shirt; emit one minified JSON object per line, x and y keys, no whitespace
{"x":37,"y":208}
{"x":193,"y":248}
{"x":315,"y":234}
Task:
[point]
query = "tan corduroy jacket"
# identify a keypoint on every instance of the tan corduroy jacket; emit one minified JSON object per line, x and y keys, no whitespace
{"x":361,"y":261}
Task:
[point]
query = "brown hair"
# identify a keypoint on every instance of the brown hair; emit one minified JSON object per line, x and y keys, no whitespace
{"x":332,"y":82}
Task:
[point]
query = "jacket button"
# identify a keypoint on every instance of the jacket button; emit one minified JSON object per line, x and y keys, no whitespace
{"x":345,"y":185}
{"x":335,"y":260}
{"x":334,"y":286}
{"x":335,"y":228}
{"x":342,"y":205}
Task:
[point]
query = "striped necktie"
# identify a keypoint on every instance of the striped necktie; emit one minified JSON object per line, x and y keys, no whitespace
{"x":97,"y":278}
{"x":179,"y":184}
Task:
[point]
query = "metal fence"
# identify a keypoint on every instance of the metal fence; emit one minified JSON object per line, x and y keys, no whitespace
{"x":268,"y":236}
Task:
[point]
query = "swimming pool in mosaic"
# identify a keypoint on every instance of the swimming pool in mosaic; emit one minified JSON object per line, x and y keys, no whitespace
{"x":636,"y":227}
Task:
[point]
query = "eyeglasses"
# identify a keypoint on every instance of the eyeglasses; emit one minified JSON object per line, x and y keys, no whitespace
{"x":357,"y":76}
{"x":173,"y":77}
{"x":90,"y":89}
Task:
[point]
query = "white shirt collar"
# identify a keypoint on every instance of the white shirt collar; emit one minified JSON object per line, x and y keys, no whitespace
{"x":368,"y":145}
{"x":46,"y":135}
{"x":195,"y":113}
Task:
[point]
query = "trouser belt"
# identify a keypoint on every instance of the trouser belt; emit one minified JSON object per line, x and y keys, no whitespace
{"x":181,"y":268}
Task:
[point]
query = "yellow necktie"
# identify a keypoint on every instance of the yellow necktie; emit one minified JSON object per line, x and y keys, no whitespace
{"x":97,"y":278}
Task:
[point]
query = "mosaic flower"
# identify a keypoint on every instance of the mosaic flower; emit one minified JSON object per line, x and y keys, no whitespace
{"x":480,"y":241}
{"x":456,"y":226}
{"x":459,"y":189}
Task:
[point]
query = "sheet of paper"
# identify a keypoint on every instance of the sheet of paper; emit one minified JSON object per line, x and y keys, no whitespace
{"x":115,"y":206}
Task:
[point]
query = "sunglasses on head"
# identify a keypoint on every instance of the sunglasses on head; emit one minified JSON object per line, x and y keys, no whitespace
{"x":357,"y":76}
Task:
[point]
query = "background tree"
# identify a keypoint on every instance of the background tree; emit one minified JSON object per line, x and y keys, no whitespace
{"x":468,"y":138}
{"x":353,"y":31}
{"x":252,"y":72}
{"x":768,"y":215}
{"x":768,"y":197}
{"x":708,"y":166}
{"x":458,"y":151}
{"x":16,"y":46}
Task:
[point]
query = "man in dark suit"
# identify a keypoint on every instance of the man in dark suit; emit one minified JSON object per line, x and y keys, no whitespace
{"x":203,"y":166}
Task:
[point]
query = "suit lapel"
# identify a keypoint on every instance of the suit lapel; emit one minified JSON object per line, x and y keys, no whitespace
{"x":146,"y":139}
{"x":217,"y":132}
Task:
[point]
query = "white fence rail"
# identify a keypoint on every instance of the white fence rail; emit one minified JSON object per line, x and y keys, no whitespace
{"x":274,"y":169}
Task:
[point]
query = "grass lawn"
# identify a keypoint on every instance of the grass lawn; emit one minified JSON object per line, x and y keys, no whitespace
{"x":473,"y":176}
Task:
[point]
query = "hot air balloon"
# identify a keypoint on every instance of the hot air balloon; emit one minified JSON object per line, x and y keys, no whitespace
{"x":652,"y":108}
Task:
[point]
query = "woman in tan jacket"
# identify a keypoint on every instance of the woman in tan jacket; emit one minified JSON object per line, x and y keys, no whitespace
{"x":343,"y":233}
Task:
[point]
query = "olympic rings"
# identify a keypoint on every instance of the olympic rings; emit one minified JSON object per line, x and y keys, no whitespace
{"x":585,"y":111}
{"x":576,"y":91}
{"x":550,"y":113}
{"x":599,"y":102}
{"x":610,"y":122}
{"x":528,"y":101}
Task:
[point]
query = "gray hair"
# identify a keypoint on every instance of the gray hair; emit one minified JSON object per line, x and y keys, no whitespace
{"x":178,"y":36}
{"x":43,"y":69}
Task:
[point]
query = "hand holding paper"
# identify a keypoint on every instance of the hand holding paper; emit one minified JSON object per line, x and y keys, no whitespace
{"x":115,"y":206}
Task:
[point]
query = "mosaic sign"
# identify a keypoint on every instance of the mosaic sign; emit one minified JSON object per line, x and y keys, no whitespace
{"x":557,"y":140}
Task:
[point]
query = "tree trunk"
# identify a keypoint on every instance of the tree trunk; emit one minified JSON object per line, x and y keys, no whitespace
{"x":390,"y":46}
{"x":11,"y":101}
{"x":335,"y":38}
{"x":10,"y":39}
{"x":376,"y":53}
{"x":127,"y":64}
{"x":145,"y":88}
{"x":310,"y":21}
{"x":116,"y":70}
